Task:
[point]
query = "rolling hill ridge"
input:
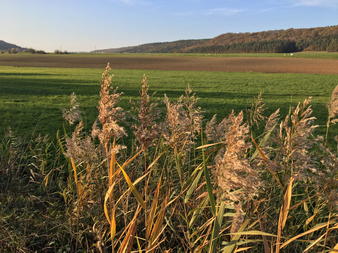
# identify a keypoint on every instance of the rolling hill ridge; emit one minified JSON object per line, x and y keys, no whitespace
{"x":276,"y":41}
{"x":5,"y":46}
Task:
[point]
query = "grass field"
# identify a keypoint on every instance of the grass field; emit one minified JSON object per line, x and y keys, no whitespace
{"x":31,"y":98}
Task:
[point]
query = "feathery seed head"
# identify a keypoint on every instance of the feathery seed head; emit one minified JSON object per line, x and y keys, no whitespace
{"x":73,"y":113}
{"x":109,"y":114}
{"x":332,"y":106}
{"x":146,"y":129}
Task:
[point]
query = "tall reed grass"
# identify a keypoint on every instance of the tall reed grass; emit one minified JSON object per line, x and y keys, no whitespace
{"x":246,"y":183}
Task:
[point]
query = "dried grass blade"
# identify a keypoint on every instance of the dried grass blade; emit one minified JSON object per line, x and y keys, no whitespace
{"x":266,"y":137}
{"x":335,"y":249}
{"x":74,"y":169}
{"x":242,"y":249}
{"x":158,"y":157}
{"x":209,"y":145}
{"x":231,"y":246}
{"x":152,"y":211}
{"x":305,"y":233}
{"x":314,"y":243}
{"x":113,"y":224}
{"x":131,"y":159}
{"x":47,"y":177}
{"x":127,"y":241}
{"x":283,"y":216}
{"x":133,"y":188}
{"x":305,"y":200}
{"x":112,"y":165}
{"x":265,"y":242}
{"x":105,"y":201}
{"x":253,"y":232}
{"x":266,"y":161}
{"x":155,"y":232}
{"x":132,"y":237}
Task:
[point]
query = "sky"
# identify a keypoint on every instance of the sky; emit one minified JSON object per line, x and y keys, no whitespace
{"x":86,"y":25}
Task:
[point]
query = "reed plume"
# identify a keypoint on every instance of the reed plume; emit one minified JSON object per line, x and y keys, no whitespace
{"x":237,"y":178}
{"x":256,"y":111}
{"x":146,"y":129}
{"x":182,"y":121}
{"x":292,"y":145}
{"x":109,"y":114}
{"x":332,"y":106}
{"x":72,"y":114}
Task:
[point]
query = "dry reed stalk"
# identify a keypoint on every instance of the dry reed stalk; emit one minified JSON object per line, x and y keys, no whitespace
{"x":256,"y":111}
{"x":109,"y":115}
{"x":332,"y":107}
{"x":146,"y":129}
{"x":237,"y":178}
{"x":183,"y":120}
{"x":73,"y":113}
{"x":291,"y":146}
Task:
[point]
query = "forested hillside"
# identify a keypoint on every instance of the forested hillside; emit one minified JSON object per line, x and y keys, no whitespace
{"x":5,"y":46}
{"x":277,"y":41}
{"x":158,"y":47}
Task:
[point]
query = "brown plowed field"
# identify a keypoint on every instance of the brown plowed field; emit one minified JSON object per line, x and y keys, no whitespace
{"x":245,"y":64}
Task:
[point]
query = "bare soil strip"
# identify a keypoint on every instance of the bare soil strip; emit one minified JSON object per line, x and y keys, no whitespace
{"x":239,"y":64}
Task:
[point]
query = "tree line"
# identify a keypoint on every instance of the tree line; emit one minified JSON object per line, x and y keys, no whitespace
{"x":328,"y":43}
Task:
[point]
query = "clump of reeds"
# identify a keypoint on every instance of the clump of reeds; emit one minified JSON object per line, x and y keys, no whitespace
{"x":177,"y":191}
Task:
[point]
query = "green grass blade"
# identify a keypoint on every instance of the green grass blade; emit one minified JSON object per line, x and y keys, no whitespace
{"x":217,"y":227}
{"x":232,"y":245}
{"x":198,"y":210}
{"x":261,"y":144}
{"x":208,"y":181}
{"x":192,"y":187}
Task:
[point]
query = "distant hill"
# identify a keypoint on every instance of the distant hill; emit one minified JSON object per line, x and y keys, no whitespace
{"x":276,"y":41}
{"x":158,"y":47}
{"x":4,"y":46}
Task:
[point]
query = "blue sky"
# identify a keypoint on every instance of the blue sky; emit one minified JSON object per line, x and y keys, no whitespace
{"x":83,"y":25}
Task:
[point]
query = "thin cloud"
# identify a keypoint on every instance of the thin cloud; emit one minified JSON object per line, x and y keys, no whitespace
{"x":184,"y":14}
{"x":130,"y":2}
{"x":155,"y":8}
{"x":267,"y":10}
{"x":321,"y":3}
{"x":222,"y":11}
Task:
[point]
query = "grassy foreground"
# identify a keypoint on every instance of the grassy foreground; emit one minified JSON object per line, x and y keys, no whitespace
{"x":259,"y":181}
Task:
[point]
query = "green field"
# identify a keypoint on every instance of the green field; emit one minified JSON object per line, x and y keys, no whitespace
{"x":31,"y":98}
